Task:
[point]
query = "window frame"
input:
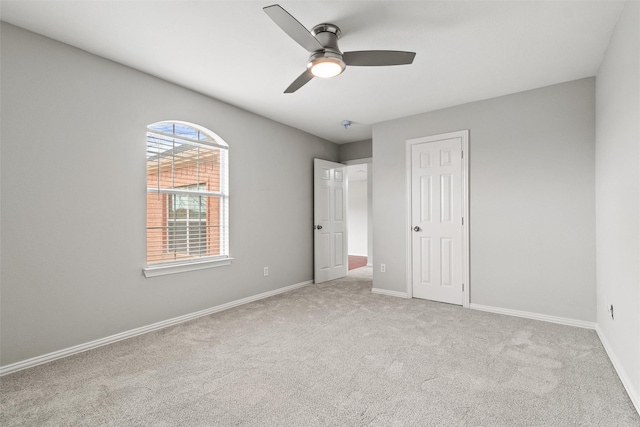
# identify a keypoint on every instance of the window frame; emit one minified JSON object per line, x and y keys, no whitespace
{"x":198,"y":262}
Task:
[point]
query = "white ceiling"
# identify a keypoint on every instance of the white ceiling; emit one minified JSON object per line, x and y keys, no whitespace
{"x":232,"y":51}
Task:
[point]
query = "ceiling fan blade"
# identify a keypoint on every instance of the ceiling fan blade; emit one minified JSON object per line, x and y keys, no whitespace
{"x":302,"y":80}
{"x":378,"y":57}
{"x":292,"y":27}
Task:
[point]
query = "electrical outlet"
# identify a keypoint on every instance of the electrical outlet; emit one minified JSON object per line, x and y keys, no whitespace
{"x":383,"y":268}
{"x":266,"y":271}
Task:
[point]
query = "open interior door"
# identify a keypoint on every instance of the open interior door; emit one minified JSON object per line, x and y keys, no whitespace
{"x":330,"y":220}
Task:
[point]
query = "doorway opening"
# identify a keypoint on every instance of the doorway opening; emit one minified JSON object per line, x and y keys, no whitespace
{"x":359,"y":218}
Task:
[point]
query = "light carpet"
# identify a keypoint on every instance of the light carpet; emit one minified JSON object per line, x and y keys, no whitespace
{"x":331,"y":354}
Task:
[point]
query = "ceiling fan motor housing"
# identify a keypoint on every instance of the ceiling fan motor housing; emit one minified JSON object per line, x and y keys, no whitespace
{"x":327,"y":35}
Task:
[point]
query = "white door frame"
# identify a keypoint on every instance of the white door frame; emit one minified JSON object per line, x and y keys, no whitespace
{"x":464,"y":135}
{"x":369,"y":162}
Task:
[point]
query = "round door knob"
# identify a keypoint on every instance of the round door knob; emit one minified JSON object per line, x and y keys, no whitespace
{"x":416,"y":228}
{"x":317,"y":227}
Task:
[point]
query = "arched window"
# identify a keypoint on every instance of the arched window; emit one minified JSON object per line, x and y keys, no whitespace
{"x":187,"y":196}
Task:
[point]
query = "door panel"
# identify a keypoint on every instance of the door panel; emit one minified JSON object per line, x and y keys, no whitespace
{"x":436,"y":215}
{"x":446,"y":198}
{"x":425,"y":199}
{"x":425,"y":259}
{"x":324,"y":193}
{"x":446,"y":267}
{"x":330,"y":220}
{"x":324,"y":254}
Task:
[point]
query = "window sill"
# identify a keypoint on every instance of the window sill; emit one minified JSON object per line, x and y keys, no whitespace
{"x":162,"y":270}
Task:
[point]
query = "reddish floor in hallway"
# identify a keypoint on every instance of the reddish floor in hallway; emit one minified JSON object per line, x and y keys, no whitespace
{"x":356,"y":261}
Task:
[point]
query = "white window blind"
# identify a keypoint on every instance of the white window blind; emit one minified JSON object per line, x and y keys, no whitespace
{"x":187,"y":194}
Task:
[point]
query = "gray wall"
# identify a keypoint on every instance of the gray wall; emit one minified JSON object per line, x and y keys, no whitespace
{"x":355,"y":150}
{"x":73,"y":199}
{"x":532,"y":208}
{"x":618,"y":197}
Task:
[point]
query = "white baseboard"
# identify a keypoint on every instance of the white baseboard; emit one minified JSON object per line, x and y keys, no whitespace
{"x":49,"y":357}
{"x":634,"y":395}
{"x":535,"y":316}
{"x":369,"y":264}
{"x":364,"y":255}
{"x":389,"y":293}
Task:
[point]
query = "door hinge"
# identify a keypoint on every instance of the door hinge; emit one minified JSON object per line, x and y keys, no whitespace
{"x":462,"y":220}
{"x":463,"y":287}
{"x":462,"y":154}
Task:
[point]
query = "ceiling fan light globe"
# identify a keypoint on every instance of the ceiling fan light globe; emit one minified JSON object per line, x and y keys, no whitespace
{"x":326,"y":67}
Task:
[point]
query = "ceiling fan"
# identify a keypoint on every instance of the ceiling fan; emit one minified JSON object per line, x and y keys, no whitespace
{"x":326,"y":59}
